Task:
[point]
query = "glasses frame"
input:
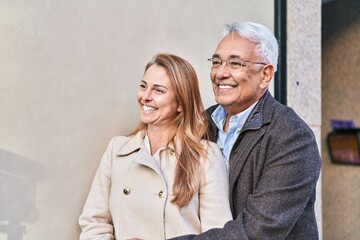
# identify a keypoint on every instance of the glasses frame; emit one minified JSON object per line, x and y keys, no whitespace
{"x":231,"y":66}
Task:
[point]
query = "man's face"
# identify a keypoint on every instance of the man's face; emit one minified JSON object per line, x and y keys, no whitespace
{"x":238,"y":89}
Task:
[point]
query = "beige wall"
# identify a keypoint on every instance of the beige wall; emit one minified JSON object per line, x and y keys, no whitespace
{"x":304,"y":71}
{"x":341,"y":100}
{"x":68,"y":75}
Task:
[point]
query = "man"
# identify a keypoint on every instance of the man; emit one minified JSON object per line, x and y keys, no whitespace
{"x":272,"y":156}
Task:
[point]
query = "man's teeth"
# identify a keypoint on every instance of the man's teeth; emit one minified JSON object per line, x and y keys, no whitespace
{"x":147,"y":108}
{"x":225,"y":86}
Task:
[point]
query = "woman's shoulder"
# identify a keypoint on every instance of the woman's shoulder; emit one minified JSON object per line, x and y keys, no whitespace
{"x":116,"y":140}
{"x":213,"y":151}
{"x":209,"y":145}
{"x":119,"y":139}
{"x":122,"y":139}
{"x":126,"y":144}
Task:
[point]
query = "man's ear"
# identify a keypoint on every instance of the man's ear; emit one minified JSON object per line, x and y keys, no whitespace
{"x":267,"y":73}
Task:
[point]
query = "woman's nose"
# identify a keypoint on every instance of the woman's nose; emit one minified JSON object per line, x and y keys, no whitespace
{"x":147,"y":95}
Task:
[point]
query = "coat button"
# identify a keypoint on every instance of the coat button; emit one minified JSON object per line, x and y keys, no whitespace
{"x":161,"y":194}
{"x":126,"y":191}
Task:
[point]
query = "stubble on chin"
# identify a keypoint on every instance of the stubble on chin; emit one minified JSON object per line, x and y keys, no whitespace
{"x":222,"y":100}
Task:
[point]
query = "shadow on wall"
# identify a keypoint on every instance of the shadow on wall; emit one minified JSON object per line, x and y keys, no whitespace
{"x":18,"y":177}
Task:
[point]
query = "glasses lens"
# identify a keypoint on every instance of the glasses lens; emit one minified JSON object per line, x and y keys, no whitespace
{"x":235,"y":63}
{"x":215,"y":63}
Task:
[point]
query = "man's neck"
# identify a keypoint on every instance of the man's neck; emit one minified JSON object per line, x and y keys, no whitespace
{"x":227,"y":122}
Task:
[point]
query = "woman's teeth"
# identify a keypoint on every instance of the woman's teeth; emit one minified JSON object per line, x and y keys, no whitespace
{"x":147,"y":108}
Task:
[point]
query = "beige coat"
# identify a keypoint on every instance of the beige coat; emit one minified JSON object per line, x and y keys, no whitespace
{"x":131,"y":195}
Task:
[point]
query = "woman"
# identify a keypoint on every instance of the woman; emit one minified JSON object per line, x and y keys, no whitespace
{"x":162,"y":181}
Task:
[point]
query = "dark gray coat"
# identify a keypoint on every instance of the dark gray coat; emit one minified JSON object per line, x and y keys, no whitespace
{"x":274,"y":167}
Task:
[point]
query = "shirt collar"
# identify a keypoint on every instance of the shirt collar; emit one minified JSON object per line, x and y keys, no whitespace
{"x":219,"y":116}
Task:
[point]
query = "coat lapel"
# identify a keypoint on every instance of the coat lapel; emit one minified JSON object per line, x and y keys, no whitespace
{"x":143,"y":157}
{"x":135,"y":145}
{"x":247,"y":141}
{"x":252,"y":132}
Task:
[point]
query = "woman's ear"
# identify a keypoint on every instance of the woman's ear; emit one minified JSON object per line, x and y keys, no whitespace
{"x":179,"y":108}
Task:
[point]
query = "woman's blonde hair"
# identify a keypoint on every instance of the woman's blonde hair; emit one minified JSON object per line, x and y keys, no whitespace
{"x":191,"y":122}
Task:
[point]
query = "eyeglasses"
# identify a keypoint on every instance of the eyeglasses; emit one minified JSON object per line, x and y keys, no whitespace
{"x":233,"y":63}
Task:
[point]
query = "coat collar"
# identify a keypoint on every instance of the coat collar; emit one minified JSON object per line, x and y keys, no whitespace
{"x":260,"y":115}
{"x":136,"y":142}
{"x":133,"y":144}
{"x":257,"y":118}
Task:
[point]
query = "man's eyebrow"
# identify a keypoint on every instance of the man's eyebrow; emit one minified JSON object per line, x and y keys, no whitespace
{"x":235,"y":56}
{"x":231,"y":56}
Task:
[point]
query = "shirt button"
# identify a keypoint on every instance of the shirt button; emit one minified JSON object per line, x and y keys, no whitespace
{"x":126,"y":191}
{"x":172,"y":152}
{"x":161,"y":194}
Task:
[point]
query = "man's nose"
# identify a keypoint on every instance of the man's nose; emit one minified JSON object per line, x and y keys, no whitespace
{"x":223,"y":71}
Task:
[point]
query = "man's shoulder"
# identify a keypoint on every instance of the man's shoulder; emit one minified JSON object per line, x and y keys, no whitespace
{"x":287,"y":119}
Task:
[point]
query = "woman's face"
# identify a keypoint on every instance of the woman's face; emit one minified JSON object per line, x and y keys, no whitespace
{"x":157,"y":102}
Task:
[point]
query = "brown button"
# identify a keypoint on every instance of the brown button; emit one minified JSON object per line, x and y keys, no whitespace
{"x":126,"y":191}
{"x":172,"y":152}
{"x":161,"y":194}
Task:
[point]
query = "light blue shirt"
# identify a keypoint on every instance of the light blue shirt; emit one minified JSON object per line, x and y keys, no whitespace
{"x":226,"y":140}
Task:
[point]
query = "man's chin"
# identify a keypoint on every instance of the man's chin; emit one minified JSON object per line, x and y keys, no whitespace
{"x":222,"y":101}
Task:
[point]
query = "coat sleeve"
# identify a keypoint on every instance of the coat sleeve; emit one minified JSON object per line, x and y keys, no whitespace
{"x":95,"y":220}
{"x":283,"y":188}
{"x":214,"y":191}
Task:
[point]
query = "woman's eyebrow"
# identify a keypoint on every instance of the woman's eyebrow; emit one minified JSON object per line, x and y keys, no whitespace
{"x":155,"y":85}
{"x":158,"y":85}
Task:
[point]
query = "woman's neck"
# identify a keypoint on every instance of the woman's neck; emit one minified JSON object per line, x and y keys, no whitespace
{"x":159,"y":138}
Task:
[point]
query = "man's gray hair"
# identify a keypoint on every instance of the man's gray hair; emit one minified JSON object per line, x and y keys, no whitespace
{"x":267,"y":47}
